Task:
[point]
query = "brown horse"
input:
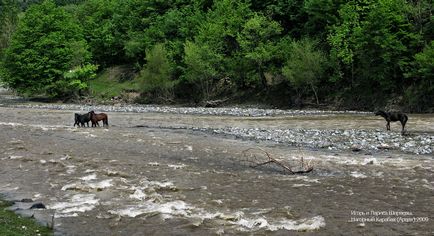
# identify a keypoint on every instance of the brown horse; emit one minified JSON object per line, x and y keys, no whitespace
{"x":392,"y":117}
{"x":97,"y":117}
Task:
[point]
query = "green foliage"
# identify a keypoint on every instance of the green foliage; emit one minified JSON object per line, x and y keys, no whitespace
{"x":201,"y":68}
{"x":82,"y":73}
{"x":367,"y":44}
{"x":74,"y":82}
{"x":156,"y":74}
{"x":103,"y":36}
{"x":257,"y":43}
{"x":322,"y":15}
{"x":47,"y":43}
{"x":305,"y":66}
{"x":424,"y":64}
{"x":212,"y":53}
{"x":342,"y":35}
{"x":373,"y":42}
{"x":290,"y":14}
{"x":420,"y":94}
{"x":220,"y":29}
{"x":8,"y":19}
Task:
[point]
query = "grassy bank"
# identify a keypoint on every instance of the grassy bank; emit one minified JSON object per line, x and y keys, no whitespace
{"x":12,"y":224}
{"x":113,"y":82}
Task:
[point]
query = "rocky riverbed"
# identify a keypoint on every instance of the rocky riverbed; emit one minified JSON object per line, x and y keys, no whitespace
{"x":171,"y":170}
{"x":357,"y":136}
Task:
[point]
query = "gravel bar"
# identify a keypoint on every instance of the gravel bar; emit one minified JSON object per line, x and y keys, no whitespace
{"x":331,"y":139}
{"x":225,"y":111}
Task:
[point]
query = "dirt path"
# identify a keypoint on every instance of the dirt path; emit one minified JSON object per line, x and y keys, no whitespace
{"x":159,"y":180}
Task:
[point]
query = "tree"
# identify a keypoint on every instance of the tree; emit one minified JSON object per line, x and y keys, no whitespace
{"x":290,"y":14}
{"x":47,"y":43}
{"x":342,"y":38}
{"x":8,"y":19}
{"x":424,"y":64}
{"x":173,"y":28}
{"x":322,"y":14}
{"x":419,"y":95}
{"x":156,"y":74}
{"x":201,"y":68}
{"x":211,"y":53}
{"x":305,"y":66}
{"x":105,"y":38}
{"x":257,"y":43}
{"x":373,"y":41}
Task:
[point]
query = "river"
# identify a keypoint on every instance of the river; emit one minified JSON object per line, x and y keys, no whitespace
{"x":185,"y":171}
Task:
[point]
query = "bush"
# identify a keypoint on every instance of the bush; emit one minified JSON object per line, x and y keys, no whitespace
{"x":305,"y":66}
{"x":73,"y":84}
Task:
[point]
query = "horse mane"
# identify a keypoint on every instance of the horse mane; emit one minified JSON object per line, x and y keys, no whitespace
{"x":381,"y":113}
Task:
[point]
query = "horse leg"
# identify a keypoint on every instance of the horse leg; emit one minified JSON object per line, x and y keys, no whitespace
{"x":403,"y":122}
{"x":388,"y":125}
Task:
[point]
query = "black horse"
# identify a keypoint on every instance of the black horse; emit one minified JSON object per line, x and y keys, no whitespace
{"x":392,"y":117}
{"x":82,"y":119}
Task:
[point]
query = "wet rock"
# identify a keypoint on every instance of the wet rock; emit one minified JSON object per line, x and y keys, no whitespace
{"x":356,"y":149}
{"x":38,"y":206}
{"x":26,"y":200}
{"x":25,"y":213}
{"x":383,"y":147}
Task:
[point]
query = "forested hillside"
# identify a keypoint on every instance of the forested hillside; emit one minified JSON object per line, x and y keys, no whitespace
{"x":362,"y":54}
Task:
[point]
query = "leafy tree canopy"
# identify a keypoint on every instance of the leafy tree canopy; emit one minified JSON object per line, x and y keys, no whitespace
{"x":48,"y":42}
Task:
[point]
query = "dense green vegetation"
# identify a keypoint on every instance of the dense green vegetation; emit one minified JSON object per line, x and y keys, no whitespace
{"x":352,"y":54}
{"x":14,"y":225}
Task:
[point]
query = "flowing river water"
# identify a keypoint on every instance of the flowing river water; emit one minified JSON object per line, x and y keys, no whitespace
{"x":178,"y":172}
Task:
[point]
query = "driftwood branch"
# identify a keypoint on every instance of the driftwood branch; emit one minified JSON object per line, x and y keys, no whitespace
{"x":215,"y":103}
{"x":257,"y":161}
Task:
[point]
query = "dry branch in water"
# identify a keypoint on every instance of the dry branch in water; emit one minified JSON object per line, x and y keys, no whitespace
{"x":256,"y":161}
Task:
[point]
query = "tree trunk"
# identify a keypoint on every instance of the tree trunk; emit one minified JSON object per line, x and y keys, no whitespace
{"x":315,"y":92}
{"x":262,"y":76}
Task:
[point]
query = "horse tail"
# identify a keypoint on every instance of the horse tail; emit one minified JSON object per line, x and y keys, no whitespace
{"x":106,"y":120}
{"x":76,"y":118}
{"x":405,"y":119}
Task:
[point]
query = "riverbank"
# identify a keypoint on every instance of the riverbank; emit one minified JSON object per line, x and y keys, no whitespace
{"x":12,"y":224}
